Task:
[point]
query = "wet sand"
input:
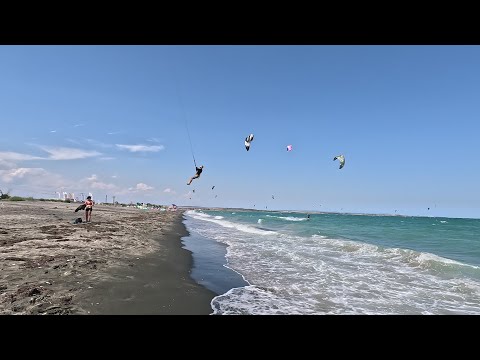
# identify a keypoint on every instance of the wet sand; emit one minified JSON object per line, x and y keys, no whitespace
{"x":127,"y":261}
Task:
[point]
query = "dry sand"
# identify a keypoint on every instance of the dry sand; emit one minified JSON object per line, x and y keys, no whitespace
{"x":126,"y":261}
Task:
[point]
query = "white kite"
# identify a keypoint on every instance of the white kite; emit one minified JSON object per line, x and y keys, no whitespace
{"x":248,"y":140}
{"x":341,"y":159}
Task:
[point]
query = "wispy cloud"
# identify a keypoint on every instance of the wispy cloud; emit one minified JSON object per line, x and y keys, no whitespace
{"x":114,"y":132}
{"x":77,"y":125}
{"x":107,"y":158}
{"x":98,"y":143}
{"x":13,"y":156}
{"x":141,"y":187}
{"x":53,"y":131}
{"x":92,"y":178}
{"x":73,"y":141}
{"x":154,"y":140}
{"x":170,"y":191}
{"x":114,"y":176}
{"x":141,"y":148}
{"x":62,"y":153}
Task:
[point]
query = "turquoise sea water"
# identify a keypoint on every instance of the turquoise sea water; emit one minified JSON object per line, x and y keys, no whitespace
{"x":345,"y":264}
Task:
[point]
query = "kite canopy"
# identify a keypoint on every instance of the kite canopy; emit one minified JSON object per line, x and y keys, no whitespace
{"x":248,"y":140}
{"x":289,"y":147}
{"x":341,"y":159}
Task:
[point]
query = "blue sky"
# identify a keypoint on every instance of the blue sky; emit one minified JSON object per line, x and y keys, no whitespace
{"x":111,"y":120}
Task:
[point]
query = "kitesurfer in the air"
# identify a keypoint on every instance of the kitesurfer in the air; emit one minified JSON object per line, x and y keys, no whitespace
{"x":197,"y":174}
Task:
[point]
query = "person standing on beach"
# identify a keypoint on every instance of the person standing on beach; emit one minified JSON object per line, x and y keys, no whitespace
{"x":197,"y":175}
{"x":88,"y":209}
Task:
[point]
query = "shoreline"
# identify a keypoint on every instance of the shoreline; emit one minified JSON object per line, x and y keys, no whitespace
{"x":210,"y":265}
{"x":131,"y":259}
{"x":158,"y":284}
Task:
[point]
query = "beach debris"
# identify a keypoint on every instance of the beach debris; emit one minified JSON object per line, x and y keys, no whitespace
{"x":248,"y":141}
{"x":289,"y":147}
{"x":341,"y":159}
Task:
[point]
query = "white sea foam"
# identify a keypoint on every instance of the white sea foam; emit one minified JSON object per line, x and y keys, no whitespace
{"x":228,"y":224}
{"x":288,"y":218}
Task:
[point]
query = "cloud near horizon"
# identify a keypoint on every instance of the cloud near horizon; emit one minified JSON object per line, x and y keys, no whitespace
{"x":188,"y":194}
{"x":141,"y":187}
{"x":7,"y":164}
{"x":103,"y":186}
{"x":141,"y":148}
{"x":95,"y":183}
{"x":34,"y":178}
{"x":20,"y":173}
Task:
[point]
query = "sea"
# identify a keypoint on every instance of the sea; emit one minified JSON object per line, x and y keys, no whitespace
{"x":269,"y":263}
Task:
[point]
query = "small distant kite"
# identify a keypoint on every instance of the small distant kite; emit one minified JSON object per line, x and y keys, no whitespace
{"x":289,"y":147}
{"x":193,"y":190}
{"x":248,"y":140}
{"x":216,"y":195}
{"x":341,"y":159}
{"x":213,"y":187}
{"x":273,"y":197}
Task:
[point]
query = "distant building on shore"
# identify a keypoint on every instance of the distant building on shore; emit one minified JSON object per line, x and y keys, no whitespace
{"x":67,"y":196}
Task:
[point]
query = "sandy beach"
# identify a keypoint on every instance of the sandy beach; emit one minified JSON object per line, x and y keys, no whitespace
{"x":126,"y":261}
